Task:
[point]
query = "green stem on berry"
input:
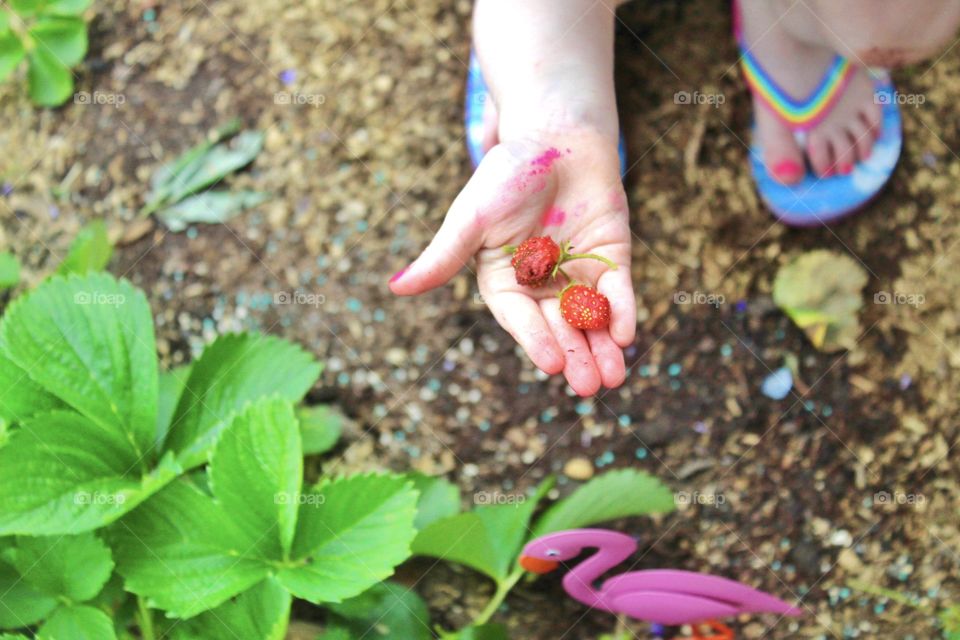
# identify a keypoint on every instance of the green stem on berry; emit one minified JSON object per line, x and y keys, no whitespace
{"x":509,"y":248}
{"x":593,"y":256}
{"x":563,"y":273}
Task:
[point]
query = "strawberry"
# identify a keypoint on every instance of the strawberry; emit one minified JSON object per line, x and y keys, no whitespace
{"x":584,"y":307}
{"x":535,"y":260}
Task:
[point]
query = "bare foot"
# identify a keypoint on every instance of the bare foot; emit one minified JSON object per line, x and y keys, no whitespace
{"x":840,"y":140}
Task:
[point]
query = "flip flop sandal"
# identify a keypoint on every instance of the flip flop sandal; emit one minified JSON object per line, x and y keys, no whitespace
{"x":816,"y":200}
{"x":477,"y":96}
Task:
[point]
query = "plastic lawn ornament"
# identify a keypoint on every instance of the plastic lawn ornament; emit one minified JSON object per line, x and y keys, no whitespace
{"x":660,"y":596}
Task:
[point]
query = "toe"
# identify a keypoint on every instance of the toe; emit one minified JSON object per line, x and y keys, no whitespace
{"x":863,"y":139}
{"x":820,"y":152}
{"x":871,"y":115}
{"x":845,"y":152}
{"x":781,"y":155}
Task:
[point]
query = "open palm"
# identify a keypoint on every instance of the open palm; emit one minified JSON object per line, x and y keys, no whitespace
{"x":526,"y":189}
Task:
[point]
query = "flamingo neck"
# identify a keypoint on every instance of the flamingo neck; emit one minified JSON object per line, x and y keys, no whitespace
{"x":579,"y":581}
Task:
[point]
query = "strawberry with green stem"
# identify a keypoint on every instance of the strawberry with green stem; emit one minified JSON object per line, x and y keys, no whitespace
{"x":537,"y":260}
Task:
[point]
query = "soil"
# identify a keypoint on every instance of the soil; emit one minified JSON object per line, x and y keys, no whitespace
{"x":784,"y":495}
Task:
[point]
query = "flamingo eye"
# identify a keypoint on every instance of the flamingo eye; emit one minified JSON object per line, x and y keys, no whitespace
{"x":553,"y":553}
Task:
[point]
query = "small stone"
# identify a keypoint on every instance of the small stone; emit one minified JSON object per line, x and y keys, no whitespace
{"x":578,"y":469}
{"x":841,"y":538}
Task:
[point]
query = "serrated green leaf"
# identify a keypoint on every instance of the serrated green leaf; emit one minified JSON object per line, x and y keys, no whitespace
{"x":74,"y":568}
{"x":20,"y":397}
{"x":387,"y":610}
{"x":182,"y":551}
{"x":262,"y":612}
{"x":171,"y":385}
{"x":72,"y":622}
{"x":209,"y":207}
{"x":63,"y":37}
{"x":351,"y":534}
{"x":62,"y":474}
{"x":20,"y":604}
{"x":320,"y":428}
{"x":66,"y":7}
{"x":49,"y":81}
{"x":12,"y":53}
{"x":439,"y":499}
{"x":613,"y":495}
{"x":89,"y":251}
{"x":821,"y":292}
{"x":89,"y":341}
{"x":487,"y":539}
{"x":232,"y":371}
{"x":9,"y":265}
{"x":256,"y":474}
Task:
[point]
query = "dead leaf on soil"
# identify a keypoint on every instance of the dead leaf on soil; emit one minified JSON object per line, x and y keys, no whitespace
{"x":821,"y":292}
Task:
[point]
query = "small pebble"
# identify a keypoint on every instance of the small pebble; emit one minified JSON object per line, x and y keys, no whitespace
{"x":778,"y":384}
{"x":578,"y":469}
{"x":905,"y":382}
{"x":288,"y":76}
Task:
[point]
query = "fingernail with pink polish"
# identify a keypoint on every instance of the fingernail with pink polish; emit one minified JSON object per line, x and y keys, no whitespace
{"x":398,"y":275}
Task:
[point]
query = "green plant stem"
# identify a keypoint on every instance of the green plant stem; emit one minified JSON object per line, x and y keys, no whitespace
{"x":145,"y":620}
{"x":503,"y":588}
{"x":593,"y":256}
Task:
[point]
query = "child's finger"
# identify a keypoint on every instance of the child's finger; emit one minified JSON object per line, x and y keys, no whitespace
{"x":618,"y":287}
{"x":609,"y":358}
{"x":580,"y":369}
{"x":522,"y":319}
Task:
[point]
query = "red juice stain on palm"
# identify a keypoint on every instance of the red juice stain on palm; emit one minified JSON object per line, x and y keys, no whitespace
{"x":542,"y":165}
{"x":553,"y":217}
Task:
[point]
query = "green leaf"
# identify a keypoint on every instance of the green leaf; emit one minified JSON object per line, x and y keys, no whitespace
{"x":4,"y":20}
{"x":439,"y":499}
{"x":387,"y":610}
{"x":256,"y":475}
{"x":487,"y":539}
{"x":613,"y":495}
{"x":482,"y":632}
{"x":50,"y":83}
{"x":171,"y":385}
{"x":209,"y":207}
{"x":202,"y":166}
{"x":65,"y":38}
{"x":67,"y":7}
{"x":9,"y":265}
{"x":261,"y":612}
{"x":71,"y":567}
{"x":351,"y":534}
{"x":12,"y":52}
{"x":20,"y":604}
{"x":332,"y":633}
{"x":61,"y":474}
{"x":821,"y":292}
{"x":13,"y":636}
{"x":20,"y":397}
{"x":90,"y":250}
{"x":72,"y":622}
{"x":184,"y":553}
{"x":26,"y":8}
{"x":89,"y":341}
{"x":234,"y":370}
{"x":320,"y":428}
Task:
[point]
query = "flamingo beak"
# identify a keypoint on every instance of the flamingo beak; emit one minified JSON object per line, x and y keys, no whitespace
{"x":537,"y":565}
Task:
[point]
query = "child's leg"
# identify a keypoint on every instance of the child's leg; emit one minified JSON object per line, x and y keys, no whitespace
{"x":796,"y":42}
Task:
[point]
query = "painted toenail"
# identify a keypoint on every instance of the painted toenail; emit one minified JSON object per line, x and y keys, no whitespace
{"x":787,"y":170}
{"x":846,"y":169}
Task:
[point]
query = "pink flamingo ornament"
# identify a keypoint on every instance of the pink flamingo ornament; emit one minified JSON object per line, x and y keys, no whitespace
{"x":660,"y":596}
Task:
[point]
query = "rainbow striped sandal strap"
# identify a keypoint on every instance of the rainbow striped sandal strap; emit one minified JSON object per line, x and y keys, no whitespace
{"x":798,"y":114}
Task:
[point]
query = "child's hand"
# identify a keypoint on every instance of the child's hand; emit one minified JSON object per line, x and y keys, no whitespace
{"x":568,"y":188}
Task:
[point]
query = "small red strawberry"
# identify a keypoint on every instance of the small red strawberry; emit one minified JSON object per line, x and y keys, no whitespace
{"x":584,"y":307}
{"x":534,"y":261}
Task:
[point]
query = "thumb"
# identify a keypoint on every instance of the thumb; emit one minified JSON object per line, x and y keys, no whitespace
{"x":486,"y":198}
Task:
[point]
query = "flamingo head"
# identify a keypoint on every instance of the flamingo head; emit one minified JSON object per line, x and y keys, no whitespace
{"x":545,"y":554}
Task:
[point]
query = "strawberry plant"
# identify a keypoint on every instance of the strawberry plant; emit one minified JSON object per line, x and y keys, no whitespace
{"x":489,"y":538}
{"x":172,"y":502}
{"x":51,"y":35}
